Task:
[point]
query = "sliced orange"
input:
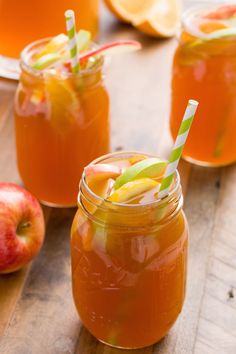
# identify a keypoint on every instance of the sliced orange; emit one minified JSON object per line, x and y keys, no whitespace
{"x":162,"y":19}
{"x":157,"y":18}
{"x":63,"y":103}
{"x":212,"y":26}
{"x":127,"y":10}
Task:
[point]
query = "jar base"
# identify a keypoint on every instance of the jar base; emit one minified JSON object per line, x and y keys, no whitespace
{"x":125,"y":348}
{"x":205,"y":163}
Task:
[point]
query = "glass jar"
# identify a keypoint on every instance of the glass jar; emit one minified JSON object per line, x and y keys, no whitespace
{"x":24,"y":21}
{"x":61,"y":123}
{"x":129,"y":265}
{"x":205,"y":69}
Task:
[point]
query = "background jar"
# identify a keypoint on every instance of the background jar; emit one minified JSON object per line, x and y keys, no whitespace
{"x":61,"y":123}
{"x":129,"y":265}
{"x":22,"y":22}
{"x":205,"y":70}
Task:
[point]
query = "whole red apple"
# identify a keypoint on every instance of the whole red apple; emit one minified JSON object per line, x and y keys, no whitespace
{"x":21,"y":227}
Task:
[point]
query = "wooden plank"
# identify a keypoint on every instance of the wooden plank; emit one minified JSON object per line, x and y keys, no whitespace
{"x":10,"y":290}
{"x":45,"y":319}
{"x":218,"y":313}
{"x":215,"y":339}
{"x":200,"y":210}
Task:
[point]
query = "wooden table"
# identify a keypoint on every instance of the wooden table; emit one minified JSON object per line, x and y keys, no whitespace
{"x":37,"y":315}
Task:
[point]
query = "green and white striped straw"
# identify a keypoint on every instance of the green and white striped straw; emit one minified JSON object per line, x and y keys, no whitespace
{"x":71,"y":31}
{"x":178,"y":148}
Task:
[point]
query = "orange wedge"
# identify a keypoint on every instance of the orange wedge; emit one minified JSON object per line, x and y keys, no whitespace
{"x":209,"y":27}
{"x":157,"y":18}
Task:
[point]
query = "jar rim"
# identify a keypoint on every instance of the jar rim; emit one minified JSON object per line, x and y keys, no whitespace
{"x":193,"y":11}
{"x":27,"y":52}
{"x":151,"y":204}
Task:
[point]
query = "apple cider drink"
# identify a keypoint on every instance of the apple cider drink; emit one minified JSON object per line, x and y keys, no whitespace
{"x":61,"y":119}
{"x":204,"y":68}
{"x":129,"y":251}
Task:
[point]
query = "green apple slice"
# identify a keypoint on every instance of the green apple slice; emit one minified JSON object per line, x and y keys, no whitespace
{"x":56,"y":44}
{"x":46,"y":60}
{"x":83,"y":40}
{"x":132,"y":189}
{"x":151,"y":168}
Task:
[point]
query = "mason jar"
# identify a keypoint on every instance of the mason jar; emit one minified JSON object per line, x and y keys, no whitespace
{"x":61,"y":123}
{"x":204,"y":68}
{"x":129,"y":265}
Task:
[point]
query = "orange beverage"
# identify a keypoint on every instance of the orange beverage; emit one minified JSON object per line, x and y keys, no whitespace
{"x":61,"y":123}
{"x":24,"y":21}
{"x":128,"y":258}
{"x":204,"y":68}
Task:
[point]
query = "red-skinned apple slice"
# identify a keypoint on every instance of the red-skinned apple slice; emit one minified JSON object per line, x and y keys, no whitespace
{"x":101,"y":171}
{"x":116,"y":47}
{"x":21,"y":227}
{"x":222,"y":13}
{"x":123,"y":46}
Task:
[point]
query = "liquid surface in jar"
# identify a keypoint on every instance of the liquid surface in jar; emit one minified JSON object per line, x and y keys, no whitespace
{"x":131,"y":180}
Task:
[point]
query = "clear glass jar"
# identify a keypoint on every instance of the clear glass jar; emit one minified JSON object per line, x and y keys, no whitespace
{"x":61,"y":124}
{"x":205,"y":69}
{"x":129,"y":265}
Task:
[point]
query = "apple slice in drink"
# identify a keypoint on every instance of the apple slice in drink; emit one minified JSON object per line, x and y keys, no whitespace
{"x":55,"y":45}
{"x":222,"y":13}
{"x":151,"y":168}
{"x":91,"y":231}
{"x":55,"y":50}
{"x":211,"y":32}
{"x":46,"y":61}
{"x":112,"y":48}
{"x":83,"y":40}
{"x":101,"y":172}
{"x":48,"y":57}
{"x":132,"y":189}
{"x":94,"y":232}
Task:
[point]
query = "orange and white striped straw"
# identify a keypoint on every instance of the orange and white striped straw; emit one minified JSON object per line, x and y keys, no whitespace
{"x":178,"y":148}
{"x":71,"y":32}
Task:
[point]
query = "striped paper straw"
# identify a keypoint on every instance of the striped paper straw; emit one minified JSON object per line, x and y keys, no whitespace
{"x":70,"y":26}
{"x":178,"y":148}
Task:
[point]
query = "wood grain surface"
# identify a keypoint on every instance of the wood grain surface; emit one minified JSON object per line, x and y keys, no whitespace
{"x":37,"y":314}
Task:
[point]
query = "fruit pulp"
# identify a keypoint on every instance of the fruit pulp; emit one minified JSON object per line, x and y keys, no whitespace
{"x":61,"y":123}
{"x":128,"y":269}
{"x":205,"y":70}
{"x":24,"y":21}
